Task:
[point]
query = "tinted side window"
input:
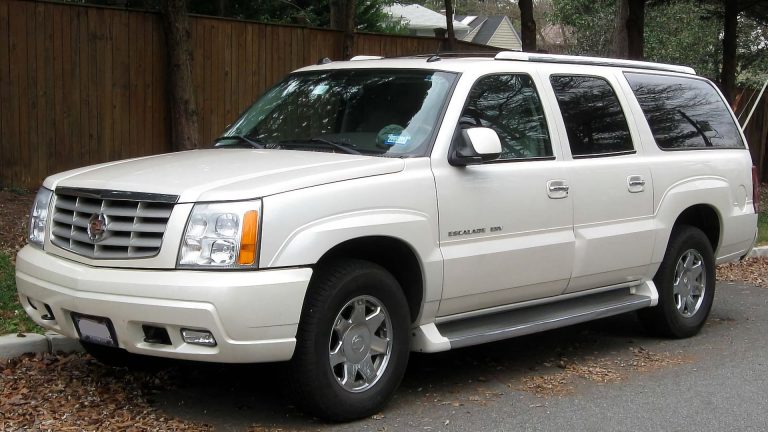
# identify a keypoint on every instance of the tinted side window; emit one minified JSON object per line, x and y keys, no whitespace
{"x":593,"y":117}
{"x":509,"y":105}
{"x":684,"y":113}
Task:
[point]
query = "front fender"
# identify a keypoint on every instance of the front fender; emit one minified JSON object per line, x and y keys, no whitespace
{"x":308,"y":243}
{"x":300,"y":226}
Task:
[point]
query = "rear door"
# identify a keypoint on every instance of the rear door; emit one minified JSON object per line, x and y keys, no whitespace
{"x":611,"y":182}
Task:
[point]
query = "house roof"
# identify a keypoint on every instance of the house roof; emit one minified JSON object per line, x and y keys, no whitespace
{"x":419,"y":17}
{"x":487,"y":26}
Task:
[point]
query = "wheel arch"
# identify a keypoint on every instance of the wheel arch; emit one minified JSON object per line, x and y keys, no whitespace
{"x":698,"y":202}
{"x":393,"y":254}
{"x":704,"y":217}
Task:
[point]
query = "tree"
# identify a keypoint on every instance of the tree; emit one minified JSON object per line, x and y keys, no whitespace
{"x":342,"y":16}
{"x":732,"y":12}
{"x":184,"y":129}
{"x":681,"y":32}
{"x":587,"y":21}
{"x":527,"y":25}
{"x":728,"y":73}
{"x":450,"y":35}
{"x":628,"y":31}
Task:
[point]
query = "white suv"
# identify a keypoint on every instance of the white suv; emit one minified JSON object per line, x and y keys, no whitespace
{"x":363,"y":209}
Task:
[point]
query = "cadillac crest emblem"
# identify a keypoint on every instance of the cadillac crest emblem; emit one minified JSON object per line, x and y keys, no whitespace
{"x":97,"y":227}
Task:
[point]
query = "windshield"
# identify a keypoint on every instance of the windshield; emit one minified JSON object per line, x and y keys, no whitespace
{"x":363,"y":111}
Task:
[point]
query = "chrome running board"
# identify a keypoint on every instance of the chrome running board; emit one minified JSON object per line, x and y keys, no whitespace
{"x":519,"y":322}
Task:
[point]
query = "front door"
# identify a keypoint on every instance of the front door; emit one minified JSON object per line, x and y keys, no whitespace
{"x":506,"y":226}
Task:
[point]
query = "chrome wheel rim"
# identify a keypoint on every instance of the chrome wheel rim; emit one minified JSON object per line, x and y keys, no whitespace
{"x":360,"y":344}
{"x":689,"y":283}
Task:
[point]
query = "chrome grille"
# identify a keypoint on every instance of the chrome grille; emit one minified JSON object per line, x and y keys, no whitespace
{"x":135,"y":223}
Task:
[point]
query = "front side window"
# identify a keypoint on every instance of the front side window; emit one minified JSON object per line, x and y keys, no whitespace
{"x":368,"y":111}
{"x":593,"y":117}
{"x":510,"y":105}
{"x":684,"y":113}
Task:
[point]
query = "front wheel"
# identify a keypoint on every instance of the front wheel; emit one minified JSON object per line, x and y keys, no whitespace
{"x":352,"y":344}
{"x":686,"y":284}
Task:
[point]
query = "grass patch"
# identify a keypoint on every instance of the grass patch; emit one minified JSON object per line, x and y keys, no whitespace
{"x":762,"y":227}
{"x":13,"y":319}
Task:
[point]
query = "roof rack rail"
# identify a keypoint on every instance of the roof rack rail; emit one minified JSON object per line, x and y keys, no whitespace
{"x":366,"y":57}
{"x":459,"y":54}
{"x":593,"y":61}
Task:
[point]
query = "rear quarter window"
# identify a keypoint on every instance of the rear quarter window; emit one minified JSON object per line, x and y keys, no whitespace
{"x":684,"y":113}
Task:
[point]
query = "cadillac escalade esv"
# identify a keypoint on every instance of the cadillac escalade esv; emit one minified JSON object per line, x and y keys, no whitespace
{"x":360,"y":210}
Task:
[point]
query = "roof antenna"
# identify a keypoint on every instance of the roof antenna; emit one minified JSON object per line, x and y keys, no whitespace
{"x":324,"y":60}
{"x":434,"y":58}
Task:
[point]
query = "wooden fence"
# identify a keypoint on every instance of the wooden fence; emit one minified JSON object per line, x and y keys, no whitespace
{"x":83,"y":84}
{"x":756,"y":131}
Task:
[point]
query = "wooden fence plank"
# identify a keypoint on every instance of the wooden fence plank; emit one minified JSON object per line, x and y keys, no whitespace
{"x":94,"y":126}
{"x":5,"y":177}
{"x":18,"y":18}
{"x":40,"y":167}
{"x":63,"y":131}
{"x":14,"y":100}
{"x":32,"y":162}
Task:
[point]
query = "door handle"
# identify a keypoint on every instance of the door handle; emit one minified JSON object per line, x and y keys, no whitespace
{"x":636,"y":183}
{"x":557,"y":189}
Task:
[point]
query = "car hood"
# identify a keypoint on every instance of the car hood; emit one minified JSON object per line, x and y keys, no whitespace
{"x":225,"y":174}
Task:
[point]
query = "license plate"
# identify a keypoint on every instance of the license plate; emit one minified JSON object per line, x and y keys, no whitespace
{"x":93,"y":329}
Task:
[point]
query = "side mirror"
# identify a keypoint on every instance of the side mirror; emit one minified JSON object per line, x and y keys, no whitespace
{"x":475,"y":146}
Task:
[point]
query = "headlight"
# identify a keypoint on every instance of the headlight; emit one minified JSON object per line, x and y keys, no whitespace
{"x":38,"y":217}
{"x":221,"y":235}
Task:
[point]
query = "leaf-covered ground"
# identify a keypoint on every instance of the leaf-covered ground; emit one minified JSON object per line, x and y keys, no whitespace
{"x":753,"y":271}
{"x":75,"y":393}
{"x":14,"y":211}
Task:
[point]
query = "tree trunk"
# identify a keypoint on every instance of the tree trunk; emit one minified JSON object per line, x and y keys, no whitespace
{"x":620,"y":47}
{"x":342,"y":17}
{"x":728,"y":73}
{"x":636,"y":30}
{"x":336,"y":14}
{"x":450,"y":35}
{"x":224,"y":8}
{"x":349,"y":28}
{"x":527,"y":25}
{"x":184,"y":131}
{"x":629,"y":29}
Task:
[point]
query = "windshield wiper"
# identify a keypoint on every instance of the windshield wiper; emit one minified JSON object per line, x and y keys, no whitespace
{"x":346,"y":148}
{"x":240,"y":138}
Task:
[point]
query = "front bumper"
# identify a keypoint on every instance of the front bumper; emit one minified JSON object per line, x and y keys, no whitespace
{"x":253,"y":315}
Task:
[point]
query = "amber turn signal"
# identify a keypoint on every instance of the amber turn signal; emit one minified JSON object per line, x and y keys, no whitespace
{"x":248,"y":238}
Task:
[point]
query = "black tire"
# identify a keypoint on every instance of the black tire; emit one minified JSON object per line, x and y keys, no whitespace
{"x":669,"y":318}
{"x":118,"y":357}
{"x":336,"y":291}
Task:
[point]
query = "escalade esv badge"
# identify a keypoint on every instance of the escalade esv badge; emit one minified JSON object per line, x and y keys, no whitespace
{"x":97,"y":227}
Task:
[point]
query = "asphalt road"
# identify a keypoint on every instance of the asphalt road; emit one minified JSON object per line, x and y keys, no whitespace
{"x":602,"y":376}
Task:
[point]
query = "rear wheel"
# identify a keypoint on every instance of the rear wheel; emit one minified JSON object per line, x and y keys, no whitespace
{"x":686,"y":284}
{"x":352,"y":345}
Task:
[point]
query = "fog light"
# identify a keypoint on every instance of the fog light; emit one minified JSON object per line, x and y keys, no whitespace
{"x":198,"y":337}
